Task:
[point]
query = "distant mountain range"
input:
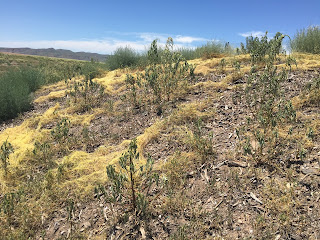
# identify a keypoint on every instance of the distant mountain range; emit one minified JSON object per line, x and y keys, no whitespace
{"x":58,"y":53}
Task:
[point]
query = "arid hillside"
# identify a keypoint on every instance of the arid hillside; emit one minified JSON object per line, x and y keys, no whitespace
{"x":57,"y":53}
{"x":224,"y":147}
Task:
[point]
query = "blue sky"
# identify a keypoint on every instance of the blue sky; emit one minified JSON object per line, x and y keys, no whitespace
{"x":102,"y":26}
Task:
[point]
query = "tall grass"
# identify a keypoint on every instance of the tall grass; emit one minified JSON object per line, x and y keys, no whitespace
{"x":125,"y":57}
{"x":15,"y":91}
{"x":209,"y":50}
{"x":17,"y":83}
{"x":189,"y":53}
{"x":307,"y":40}
{"x":212,"y":49}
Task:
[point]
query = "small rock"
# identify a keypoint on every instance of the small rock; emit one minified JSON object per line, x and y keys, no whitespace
{"x":85,"y":225}
{"x":309,"y":170}
{"x":254,"y":197}
{"x":190,"y":174}
{"x":240,"y":221}
{"x":237,"y":164}
{"x":289,"y":185}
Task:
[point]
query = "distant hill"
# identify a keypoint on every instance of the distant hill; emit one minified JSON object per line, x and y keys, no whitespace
{"x":58,"y":53}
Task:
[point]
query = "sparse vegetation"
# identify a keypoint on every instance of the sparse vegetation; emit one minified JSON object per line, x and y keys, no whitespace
{"x":42,"y":151}
{"x":86,"y":94}
{"x":60,"y":133}
{"x":270,"y":109}
{"x":314,"y":92}
{"x":202,"y":144}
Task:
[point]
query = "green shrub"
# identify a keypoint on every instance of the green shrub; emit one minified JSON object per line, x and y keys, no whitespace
{"x":167,"y":71}
{"x":259,"y":48}
{"x":166,"y":77}
{"x":14,"y":94}
{"x":124,"y":57}
{"x":17,"y":83}
{"x":61,"y":132}
{"x":132,"y":85}
{"x":90,"y":70}
{"x":211,"y":49}
{"x":42,"y":152}
{"x":33,"y":76}
{"x":127,"y":57}
{"x":270,"y":110}
{"x":189,"y":53}
{"x":307,"y":40}
{"x":6,"y":150}
{"x":127,"y":184}
{"x":8,"y":204}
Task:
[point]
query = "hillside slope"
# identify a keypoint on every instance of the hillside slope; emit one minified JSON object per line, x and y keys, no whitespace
{"x":57,"y":53}
{"x":217,"y":174}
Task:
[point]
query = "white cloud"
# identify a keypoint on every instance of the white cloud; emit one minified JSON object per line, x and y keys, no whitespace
{"x":187,"y":39}
{"x":139,"y":42}
{"x":149,"y":37}
{"x":253,"y":34}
